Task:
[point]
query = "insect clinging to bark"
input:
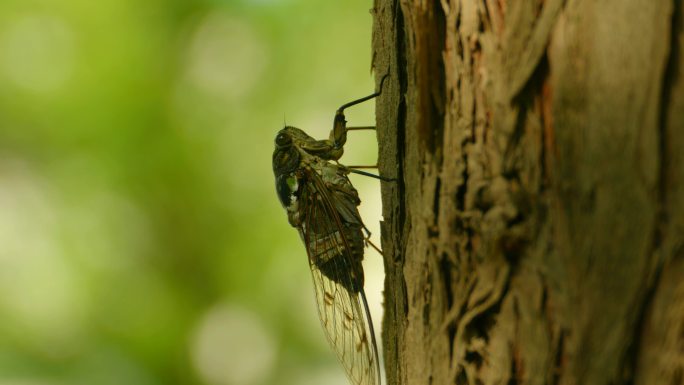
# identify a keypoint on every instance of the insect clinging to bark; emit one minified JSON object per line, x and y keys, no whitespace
{"x":321,"y":204}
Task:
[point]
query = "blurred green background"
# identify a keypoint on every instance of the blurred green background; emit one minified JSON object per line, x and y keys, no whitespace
{"x":141,"y":240}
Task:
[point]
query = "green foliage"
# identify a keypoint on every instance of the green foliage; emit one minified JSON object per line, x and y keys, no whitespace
{"x":141,"y":241}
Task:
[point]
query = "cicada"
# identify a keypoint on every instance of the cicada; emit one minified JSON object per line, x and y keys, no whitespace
{"x":322,"y":205}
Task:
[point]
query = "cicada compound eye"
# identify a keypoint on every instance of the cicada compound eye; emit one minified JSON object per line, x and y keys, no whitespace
{"x":283,"y":140}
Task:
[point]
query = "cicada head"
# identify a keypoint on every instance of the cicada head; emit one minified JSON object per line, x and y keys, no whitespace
{"x":286,"y":156}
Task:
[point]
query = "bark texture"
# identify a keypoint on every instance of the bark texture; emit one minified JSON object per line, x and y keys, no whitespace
{"x":535,"y":232}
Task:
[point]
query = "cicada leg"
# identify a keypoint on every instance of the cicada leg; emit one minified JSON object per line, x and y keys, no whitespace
{"x":338,"y":135}
{"x":368,"y":242}
{"x":382,"y":178}
{"x":360,"y":128}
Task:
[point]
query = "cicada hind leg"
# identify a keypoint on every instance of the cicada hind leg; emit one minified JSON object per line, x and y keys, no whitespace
{"x":367,"y":241}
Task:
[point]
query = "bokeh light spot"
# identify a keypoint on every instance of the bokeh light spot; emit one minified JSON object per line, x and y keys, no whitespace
{"x":38,"y":290}
{"x":231,"y":346}
{"x":333,"y":375}
{"x":225,"y":56}
{"x":37,"y":53}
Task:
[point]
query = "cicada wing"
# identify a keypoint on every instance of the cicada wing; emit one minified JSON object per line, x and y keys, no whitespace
{"x":345,"y":319}
{"x":345,"y":327}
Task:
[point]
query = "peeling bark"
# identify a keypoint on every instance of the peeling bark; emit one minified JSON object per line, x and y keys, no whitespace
{"x":535,"y":230}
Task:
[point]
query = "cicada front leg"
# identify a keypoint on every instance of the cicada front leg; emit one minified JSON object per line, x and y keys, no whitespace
{"x":338,"y":135}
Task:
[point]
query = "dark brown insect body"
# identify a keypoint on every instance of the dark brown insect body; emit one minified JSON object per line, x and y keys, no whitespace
{"x":322,"y":204}
{"x":321,"y":201}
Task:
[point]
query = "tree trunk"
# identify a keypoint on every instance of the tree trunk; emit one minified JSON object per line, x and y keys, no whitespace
{"x":535,"y":230}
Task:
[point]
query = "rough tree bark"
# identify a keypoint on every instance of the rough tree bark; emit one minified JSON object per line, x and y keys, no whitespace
{"x":535,"y":233}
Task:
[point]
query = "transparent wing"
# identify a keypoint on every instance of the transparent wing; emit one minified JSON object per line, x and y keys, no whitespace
{"x":345,"y":327}
{"x":335,"y":266}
